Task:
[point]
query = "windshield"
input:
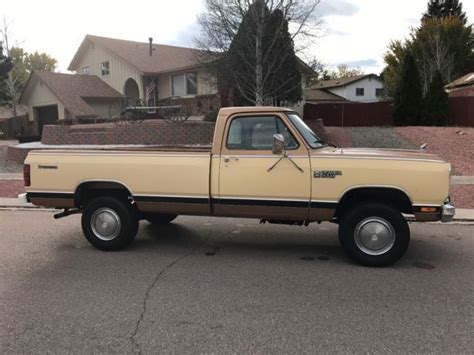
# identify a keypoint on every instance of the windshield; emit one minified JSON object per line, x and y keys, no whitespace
{"x":309,"y":136}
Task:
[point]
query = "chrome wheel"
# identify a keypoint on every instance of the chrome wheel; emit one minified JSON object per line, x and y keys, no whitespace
{"x":105,"y":224}
{"x":374,"y":236}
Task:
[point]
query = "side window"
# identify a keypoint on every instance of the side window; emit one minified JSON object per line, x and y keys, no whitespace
{"x":256,"y":133}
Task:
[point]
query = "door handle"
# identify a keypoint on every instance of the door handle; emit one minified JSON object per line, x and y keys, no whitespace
{"x":227,"y":159}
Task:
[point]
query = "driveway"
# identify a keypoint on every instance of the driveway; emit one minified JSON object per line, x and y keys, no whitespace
{"x":208,"y":285}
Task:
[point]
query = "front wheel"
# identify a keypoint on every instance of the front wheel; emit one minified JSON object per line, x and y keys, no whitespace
{"x":374,"y":234}
{"x":109,"y":223}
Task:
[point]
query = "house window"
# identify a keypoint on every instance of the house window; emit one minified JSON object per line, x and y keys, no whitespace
{"x":379,"y":92}
{"x":104,"y":68}
{"x":86,"y":70}
{"x":184,"y":84}
{"x":359,"y":91}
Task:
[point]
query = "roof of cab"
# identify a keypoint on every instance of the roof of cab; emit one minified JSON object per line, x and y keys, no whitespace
{"x":249,"y":109}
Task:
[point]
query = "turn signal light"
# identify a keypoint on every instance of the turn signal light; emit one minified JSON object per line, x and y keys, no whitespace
{"x":26,"y":175}
{"x":428,"y":209}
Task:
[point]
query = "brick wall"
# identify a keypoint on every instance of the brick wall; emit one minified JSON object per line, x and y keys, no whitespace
{"x":149,"y":132}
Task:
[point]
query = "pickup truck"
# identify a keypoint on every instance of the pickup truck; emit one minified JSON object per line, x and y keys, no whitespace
{"x":264,"y":163}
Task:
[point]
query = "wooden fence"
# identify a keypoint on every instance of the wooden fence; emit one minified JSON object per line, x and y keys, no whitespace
{"x":353,"y":114}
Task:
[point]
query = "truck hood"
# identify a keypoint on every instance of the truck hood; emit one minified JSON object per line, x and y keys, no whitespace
{"x":380,"y":153}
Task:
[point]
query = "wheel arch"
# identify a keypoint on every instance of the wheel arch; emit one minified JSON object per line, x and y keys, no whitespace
{"x":391,"y":195}
{"x":88,"y":189}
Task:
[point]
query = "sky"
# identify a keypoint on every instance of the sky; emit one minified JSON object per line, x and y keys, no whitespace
{"x":354,"y":32}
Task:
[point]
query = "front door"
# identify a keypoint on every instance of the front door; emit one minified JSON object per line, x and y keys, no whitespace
{"x":247,"y":188}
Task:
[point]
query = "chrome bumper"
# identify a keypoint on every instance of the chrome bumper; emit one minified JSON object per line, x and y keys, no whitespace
{"x":23,"y":198}
{"x":447,"y":212}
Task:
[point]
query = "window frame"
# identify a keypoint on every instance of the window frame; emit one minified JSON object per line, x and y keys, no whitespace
{"x":105,"y":68}
{"x":362,"y":90}
{"x":277,"y":117}
{"x":86,"y":70}
{"x":381,"y":90}
{"x":185,"y":80}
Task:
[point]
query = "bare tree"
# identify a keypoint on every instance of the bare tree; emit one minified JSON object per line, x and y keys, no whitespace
{"x":13,"y":81}
{"x":220,"y":25}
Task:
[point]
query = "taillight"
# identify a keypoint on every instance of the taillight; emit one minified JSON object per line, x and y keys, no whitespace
{"x":26,"y":174}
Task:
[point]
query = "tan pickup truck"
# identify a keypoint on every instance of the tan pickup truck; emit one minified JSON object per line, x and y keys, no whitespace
{"x":265,"y":163}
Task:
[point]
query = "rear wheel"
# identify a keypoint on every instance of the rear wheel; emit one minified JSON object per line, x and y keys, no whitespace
{"x":374,"y":234}
{"x":109,"y":223}
{"x":160,"y":218}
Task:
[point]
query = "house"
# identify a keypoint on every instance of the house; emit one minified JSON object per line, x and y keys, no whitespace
{"x":107,"y":68}
{"x":461,"y":87}
{"x":52,"y":97}
{"x":146,"y":71}
{"x":360,"y":88}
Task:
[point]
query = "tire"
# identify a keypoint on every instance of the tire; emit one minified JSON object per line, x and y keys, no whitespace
{"x":160,"y":219}
{"x":120,"y":223}
{"x":374,"y":234}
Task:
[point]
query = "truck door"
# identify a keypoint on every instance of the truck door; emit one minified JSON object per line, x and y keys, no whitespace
{"x":247,"y":186}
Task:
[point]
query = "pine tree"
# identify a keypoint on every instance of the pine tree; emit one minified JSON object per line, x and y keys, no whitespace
{"x":435,"y":104}
{"x":408,"y":97}
{"x":445,"y":8}
{"x":5,"y":67}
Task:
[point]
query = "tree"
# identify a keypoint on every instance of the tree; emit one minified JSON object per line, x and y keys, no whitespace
{"x":445,"y":45}
{"x":254,"y":46}
{"x":23,"y":64}
{"x":435,"y":104}
{"x":343,"y":71}
{"x":393,"y":69}
{"x":5,"y":67}
{"x":443,"y":42}
{"x":408,"y":97}
{"x":445,"y":8}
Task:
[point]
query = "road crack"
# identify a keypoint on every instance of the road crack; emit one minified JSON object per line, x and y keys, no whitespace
{"x":133,"y":337}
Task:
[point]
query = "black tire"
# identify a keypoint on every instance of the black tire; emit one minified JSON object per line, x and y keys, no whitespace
{"x":110,"y":209}
{"x":390,"y":234}
{"x":160,"y":219}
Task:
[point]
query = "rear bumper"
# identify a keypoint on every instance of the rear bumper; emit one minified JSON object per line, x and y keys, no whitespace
{"x":23,"y":198}
{"x":447,"y":212}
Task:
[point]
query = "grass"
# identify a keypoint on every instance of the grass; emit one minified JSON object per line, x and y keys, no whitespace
{"x":378,"y":137}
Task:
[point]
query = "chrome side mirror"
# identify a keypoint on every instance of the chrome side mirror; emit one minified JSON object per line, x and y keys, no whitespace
{"x":278,"y":147}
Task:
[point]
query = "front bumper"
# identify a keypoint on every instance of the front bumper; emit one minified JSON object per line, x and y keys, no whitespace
{"x":447,"y":212}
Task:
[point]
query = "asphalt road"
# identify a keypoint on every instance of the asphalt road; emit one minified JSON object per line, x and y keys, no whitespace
{"x":206,"y":285}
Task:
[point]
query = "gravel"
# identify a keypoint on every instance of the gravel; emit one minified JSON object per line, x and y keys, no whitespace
{"x":378,"y":137}
{"x":339,"y":136}
{"x":454,"y":144}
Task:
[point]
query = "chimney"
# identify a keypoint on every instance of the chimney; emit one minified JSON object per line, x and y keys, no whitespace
{"x":150,"y":39}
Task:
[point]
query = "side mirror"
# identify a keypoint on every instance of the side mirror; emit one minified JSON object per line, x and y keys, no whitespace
{"x":278,"y":147}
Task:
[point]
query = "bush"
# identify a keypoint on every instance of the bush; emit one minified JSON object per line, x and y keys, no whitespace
{"x":211,"y":116}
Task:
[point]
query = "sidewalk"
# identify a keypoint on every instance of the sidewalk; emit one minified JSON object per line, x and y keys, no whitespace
{"x":462,"y":215}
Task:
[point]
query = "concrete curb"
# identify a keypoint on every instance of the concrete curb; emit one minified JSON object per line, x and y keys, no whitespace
{"x":462,"y":214}
{"x":11,"y":176}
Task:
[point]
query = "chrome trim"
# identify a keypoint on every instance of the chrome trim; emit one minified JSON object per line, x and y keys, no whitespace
{"x":374,"y":236}
{"x":49,"y":191}
{"x":259,"y":156}
{"x":122,"y":153}
{"x":447,"y":213}
{"x":177,"y":196}
{"x":377,"y":158}
{"x":22,"y":198}
{"x":263,"y":198}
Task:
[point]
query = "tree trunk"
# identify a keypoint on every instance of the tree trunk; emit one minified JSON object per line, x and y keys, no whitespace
{"x":259,"y":93}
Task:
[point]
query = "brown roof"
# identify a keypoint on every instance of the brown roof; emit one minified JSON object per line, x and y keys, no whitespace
{"x":465,"y":80}
{"x":321,"y":95}
{"x":165,"y":58}
{"x":325,"y":84}
{"x":72,"y":89}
